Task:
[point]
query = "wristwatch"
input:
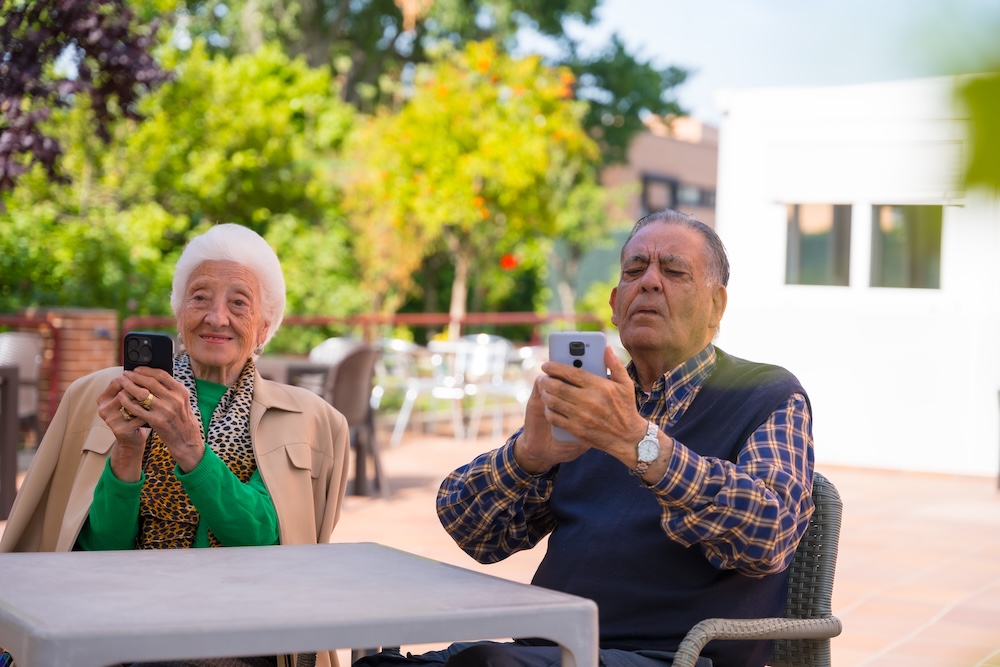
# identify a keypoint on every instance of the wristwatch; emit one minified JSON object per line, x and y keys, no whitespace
{"x":648,"y":449}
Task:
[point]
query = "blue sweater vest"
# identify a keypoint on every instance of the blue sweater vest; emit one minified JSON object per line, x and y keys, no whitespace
{"x":609,"y":545}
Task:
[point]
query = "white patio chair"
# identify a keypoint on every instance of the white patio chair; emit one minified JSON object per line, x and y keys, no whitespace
{"x":494,"y":373}
{"x":416,"y":371}
{"x":24,"y":349}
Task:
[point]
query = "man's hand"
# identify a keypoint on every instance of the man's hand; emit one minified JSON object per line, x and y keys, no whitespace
{"x":599,"y":412}
{"x":536,"y":450}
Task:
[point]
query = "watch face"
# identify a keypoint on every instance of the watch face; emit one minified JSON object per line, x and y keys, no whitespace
{"x":649,"y":449}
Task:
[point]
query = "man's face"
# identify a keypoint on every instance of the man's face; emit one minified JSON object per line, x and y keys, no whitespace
{"x":663,"y":306}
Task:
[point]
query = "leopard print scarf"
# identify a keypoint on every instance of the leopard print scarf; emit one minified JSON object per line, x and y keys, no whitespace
{"x":167,"y":519}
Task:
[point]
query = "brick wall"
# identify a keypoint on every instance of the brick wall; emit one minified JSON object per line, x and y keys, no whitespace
{"x":79,"y":342}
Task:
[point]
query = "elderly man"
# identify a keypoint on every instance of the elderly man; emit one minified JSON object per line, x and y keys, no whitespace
{"x":687,"y":489}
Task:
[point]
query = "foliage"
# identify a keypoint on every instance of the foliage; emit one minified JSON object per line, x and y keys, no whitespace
{"x":475,"y":163}
{"x":584,"y":221}
{"x":239,"y":140}
{"x":470,"y":155}
{"x":246,"y":140}
{"x":620,"y":89}
{"x":597,"y":300}
{"x":76,"y":243}
{"x":375,"y":45}
{"x":109,"y":53}
{"x":981,"y":95}
{"x":51,"y":259}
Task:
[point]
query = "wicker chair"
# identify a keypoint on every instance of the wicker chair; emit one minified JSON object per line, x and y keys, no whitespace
{"x":802,"y":637}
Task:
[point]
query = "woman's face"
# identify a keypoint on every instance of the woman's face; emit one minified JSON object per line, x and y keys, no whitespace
{"x":220,"y":319}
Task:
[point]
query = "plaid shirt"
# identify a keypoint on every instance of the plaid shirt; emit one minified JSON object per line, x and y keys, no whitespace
{"x":747,"y":515}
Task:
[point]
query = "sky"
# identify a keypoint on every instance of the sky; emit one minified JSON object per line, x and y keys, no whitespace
{"x":763,"y":43}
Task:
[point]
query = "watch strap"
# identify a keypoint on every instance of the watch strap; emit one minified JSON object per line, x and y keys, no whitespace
{"x":652,"y":431}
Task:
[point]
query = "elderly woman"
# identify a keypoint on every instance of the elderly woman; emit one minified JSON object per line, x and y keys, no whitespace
{"x":213,"y":456}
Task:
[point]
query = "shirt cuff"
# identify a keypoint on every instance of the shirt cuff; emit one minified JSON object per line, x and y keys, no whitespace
{"x":684,"y":478}
{"x":117,"y":487}
{"x":206,"y":470}
{"x":509,"y":475}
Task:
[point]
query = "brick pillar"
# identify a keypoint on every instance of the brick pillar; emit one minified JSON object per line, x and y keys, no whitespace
{"x":79,"y":342}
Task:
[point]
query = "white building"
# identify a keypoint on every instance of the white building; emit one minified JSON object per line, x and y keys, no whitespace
{"x":860,"y":264}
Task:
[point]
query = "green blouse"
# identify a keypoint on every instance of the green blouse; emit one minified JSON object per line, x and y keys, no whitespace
{"x":238,"y":514}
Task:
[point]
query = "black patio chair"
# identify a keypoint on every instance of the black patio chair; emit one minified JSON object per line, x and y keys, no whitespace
{"x":348,"y":388}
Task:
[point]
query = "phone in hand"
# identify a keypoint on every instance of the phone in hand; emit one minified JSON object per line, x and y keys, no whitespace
{"x":141,"y":348}
{"x":582,"y":349}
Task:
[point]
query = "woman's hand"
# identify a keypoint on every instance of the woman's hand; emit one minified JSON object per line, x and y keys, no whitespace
{"x":162,"y":402}
{"x":130,"y":432}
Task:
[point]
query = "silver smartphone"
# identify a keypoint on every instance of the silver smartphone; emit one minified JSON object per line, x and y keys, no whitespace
{"x":582,"y":349}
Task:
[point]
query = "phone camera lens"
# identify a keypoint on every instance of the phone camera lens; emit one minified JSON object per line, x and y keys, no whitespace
{"x":577,"y":348}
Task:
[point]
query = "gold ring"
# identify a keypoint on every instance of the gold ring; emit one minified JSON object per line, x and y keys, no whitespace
{"x":147,"y":402}
{"x":128,"y":416}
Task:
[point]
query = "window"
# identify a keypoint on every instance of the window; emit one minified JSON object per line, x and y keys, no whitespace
{"x":658,"y":192}
{"x":906,"y":246}
{"x":688,"y":195}
{"x":819,"y":244}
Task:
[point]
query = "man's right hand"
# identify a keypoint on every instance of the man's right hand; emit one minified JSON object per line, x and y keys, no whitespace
{"x":535,"y":450}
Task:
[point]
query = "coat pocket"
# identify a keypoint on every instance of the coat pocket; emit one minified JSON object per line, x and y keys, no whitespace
{"x":300,"y":455}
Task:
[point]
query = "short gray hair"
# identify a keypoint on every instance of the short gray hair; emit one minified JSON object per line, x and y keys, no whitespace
{"x":718,"y":260}
{"x":235,"y":243}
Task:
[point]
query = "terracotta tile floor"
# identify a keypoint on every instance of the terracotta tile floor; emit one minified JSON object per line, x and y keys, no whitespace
{"x":918,"y":575}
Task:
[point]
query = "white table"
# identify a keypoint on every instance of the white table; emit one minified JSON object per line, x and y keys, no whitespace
{"x":99,"y":608}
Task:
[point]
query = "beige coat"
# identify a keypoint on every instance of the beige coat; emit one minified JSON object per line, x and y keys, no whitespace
{"x":300,"y":442}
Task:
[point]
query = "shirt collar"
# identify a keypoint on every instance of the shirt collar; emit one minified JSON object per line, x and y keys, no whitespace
{"x":677,"y":387}
{"x":692,"y":371}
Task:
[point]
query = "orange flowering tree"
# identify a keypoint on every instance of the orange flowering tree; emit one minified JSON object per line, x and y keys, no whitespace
{"x":478,"y":161}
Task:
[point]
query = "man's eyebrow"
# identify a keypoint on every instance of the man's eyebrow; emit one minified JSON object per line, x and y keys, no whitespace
{"x":674,"y":260}
{"x":636,"y":257}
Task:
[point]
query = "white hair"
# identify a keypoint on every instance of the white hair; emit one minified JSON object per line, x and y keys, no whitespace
{"x":235,"y":243}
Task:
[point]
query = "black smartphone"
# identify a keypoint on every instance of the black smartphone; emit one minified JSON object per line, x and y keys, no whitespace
{"x":142,"y":348}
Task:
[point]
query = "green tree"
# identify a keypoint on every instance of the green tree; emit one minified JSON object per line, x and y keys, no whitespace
{"x":582,"y":224}
{"x":374,"y":46}
{"x":76,"y":243}
{"x":981,"y":95}
{"x":103,"y":45}
{"x":247,"y":139}
{"x":475,"y":163}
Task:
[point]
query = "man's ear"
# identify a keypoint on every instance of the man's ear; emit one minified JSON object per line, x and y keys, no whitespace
{"x":611,"y":302}
{"x":719,"y":299}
